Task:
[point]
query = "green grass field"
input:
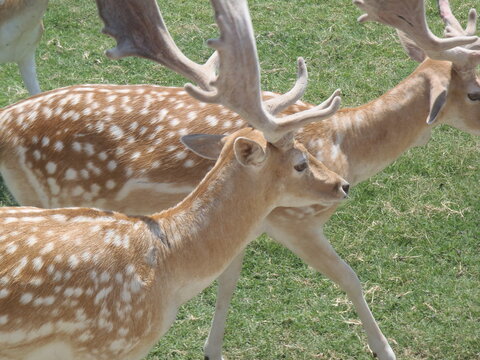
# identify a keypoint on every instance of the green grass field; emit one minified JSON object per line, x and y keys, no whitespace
{"x":412,"y":232}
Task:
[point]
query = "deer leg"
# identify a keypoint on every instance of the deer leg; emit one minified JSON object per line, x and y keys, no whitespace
{"x":313,"y":247}
{"x":227,"y":282}
{"x":29,"y":74}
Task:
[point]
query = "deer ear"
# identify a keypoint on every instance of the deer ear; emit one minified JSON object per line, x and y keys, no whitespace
{"x":249,"y":152}
{"x":410,"y":47}
{"x":438,"y":98}
{"x":204,"y":145}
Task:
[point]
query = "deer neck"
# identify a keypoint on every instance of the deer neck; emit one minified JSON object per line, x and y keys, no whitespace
{"x":357,"y":143}
{"x":212,"y":225}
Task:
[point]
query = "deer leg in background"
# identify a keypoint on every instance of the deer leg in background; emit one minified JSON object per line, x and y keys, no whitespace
{"x":314,"y":248}
{"x":227,"y":283}
{"x":29,"y":73}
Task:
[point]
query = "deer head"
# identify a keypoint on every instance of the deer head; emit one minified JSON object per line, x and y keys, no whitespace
{"x":455,"y":85}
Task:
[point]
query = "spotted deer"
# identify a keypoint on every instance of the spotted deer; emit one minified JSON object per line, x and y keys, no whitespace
{"x":21,"y":29}
{"x":83,"y":283}
{"x":118,"y":147}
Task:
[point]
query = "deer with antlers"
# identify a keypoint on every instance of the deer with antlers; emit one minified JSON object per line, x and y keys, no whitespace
{"x":83,"y":283}
{"x":118,"y":147}
{"x":21,"y":29}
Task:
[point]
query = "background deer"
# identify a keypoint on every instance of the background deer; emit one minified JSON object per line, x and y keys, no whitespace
{"x":21,"y":29}
{"x":83,"y":283}
{"x":392,"y":124}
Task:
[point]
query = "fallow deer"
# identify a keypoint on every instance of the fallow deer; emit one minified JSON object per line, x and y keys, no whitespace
{"x":82,"y":283}
{"x":21,"y":29}
{"x":75,"y":164}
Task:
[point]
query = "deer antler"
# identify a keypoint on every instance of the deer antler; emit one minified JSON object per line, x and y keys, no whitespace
{"x":140,"y":31}
{"x":452,"y":25}
{"x":408,"y":16}
{"x":281,"y":102}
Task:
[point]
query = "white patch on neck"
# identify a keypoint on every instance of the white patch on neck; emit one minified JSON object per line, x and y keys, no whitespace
{"x":336,"y":147}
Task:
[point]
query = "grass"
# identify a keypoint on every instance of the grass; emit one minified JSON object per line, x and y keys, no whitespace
{"x":412,"y":232}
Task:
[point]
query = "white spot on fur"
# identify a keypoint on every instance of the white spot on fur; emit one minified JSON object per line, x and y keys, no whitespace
{"x":4,"y":293}
{"x":77,"y":191}
{"x":110,"y":184}
{"x":189,"y":163}
{"x":54,"y":188}
{"x":71,"y":174}
{"x":211,"y":120}
{"x":26,"y":298}
{"x":77,"y":146}
{"x":116,"y":132}
{"x":181,"y":155}
{"x":84,"y":174}
{"x":51,"y":167}
{"x":227,"y":124}
{"x":102,"y":294}
{"x":88,"y":148}
{"x":37,"y":155}
{"x":37,"y":263}
{"x":58,"y":146}
{"x":102,"y":156}
{"x":47,"y":248}
{"x":11,"y":248}
{"x":93,"y":168}
{"x":32,"y":240}
{"x":36,"y":281}
{"x":73,"y":261}
{"x":112,"y":165}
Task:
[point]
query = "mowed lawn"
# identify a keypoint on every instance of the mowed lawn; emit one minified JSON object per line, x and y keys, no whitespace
{"x":412,"y":232}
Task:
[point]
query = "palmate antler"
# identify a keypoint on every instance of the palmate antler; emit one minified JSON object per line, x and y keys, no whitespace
{"x":138,"y":27}
{"x":453,"y":27}
{"x":408,"y":16}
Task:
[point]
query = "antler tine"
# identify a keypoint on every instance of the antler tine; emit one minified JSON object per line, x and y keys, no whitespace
{"x":238,"y":83}
{"x":281,"y":102}
{"x":408,"y":16}
{"x":139,"y":30}
{"x":453,"y":27}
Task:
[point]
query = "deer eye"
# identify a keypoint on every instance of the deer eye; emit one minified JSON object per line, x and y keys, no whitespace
{"x":301,"y":167}
{"x":474,"y":96}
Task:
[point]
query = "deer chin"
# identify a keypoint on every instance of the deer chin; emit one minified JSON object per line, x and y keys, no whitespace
{"x":332,"y":202}
{"x":322,"y":201}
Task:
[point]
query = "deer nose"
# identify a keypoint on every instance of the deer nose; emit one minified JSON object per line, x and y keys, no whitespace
{"x":345,"y":188}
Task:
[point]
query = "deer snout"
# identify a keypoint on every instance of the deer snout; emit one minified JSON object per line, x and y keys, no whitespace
{"x":343,"y":188}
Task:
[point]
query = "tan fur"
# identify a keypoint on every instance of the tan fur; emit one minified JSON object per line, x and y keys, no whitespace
{"x":104,"y":284}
